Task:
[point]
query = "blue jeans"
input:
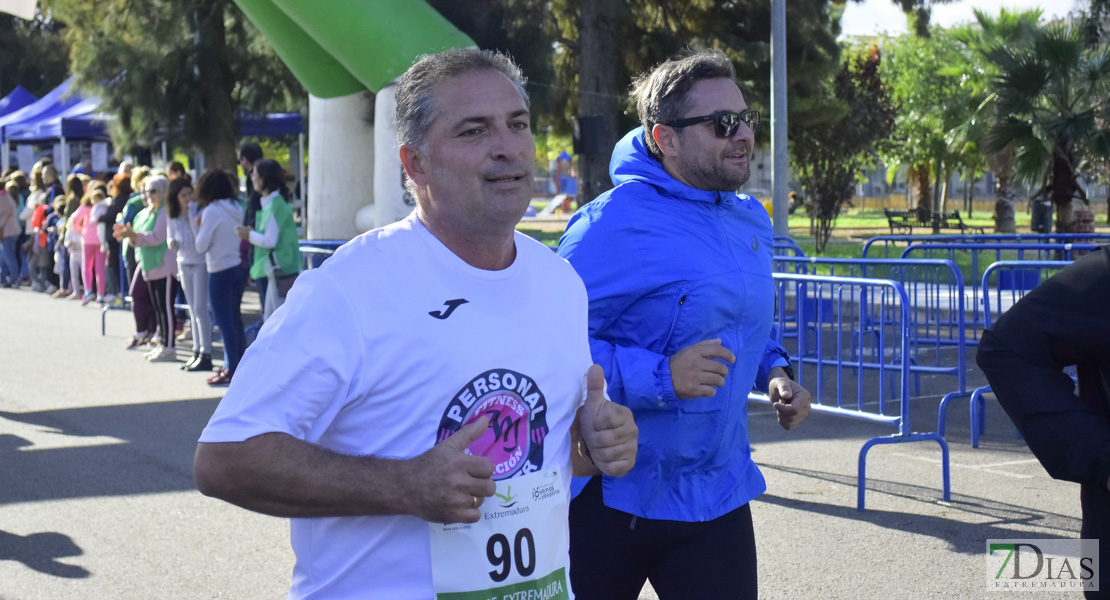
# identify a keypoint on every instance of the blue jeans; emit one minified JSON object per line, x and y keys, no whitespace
{"x":9,"y":263}
{"x":225,"y":294}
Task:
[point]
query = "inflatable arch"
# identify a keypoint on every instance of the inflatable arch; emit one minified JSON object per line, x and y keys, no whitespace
{"x":338,"y":51}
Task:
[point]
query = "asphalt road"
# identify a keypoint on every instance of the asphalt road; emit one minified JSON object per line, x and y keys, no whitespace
{"x":97,"y":499}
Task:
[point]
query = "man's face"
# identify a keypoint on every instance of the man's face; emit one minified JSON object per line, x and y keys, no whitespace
{"x":479,"y":159}
{"x":703,"y":160}
{"x":247,"y":166}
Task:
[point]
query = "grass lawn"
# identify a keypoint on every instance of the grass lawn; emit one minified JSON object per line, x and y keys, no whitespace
{"x":854,"y":219}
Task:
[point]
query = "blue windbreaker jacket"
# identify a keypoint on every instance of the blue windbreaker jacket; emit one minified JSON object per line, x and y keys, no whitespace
{"x":666,"y":266}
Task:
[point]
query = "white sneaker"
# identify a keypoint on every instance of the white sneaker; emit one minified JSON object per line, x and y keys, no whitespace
{"x":155,"y":351}
{"x":163,"y":354}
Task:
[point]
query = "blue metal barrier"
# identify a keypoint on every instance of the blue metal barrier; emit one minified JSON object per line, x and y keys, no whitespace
{"x":890,"y":246}
{"x":315,"y":252}
{"x":849,"y":348}
{"x":786,"y":246}
{"x":935,"y":290}
{"x":1014,"y":279}
{"x":974,"y":258}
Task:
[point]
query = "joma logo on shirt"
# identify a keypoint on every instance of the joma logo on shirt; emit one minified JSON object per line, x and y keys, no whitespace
{"x":451,"y":306}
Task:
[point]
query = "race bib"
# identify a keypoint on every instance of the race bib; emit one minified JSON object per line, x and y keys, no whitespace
{"x":517,"y":551}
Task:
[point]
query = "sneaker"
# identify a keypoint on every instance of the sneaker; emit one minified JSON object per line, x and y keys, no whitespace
{"x":88,"y":298}
{"x":192,"y":359}
{"x":116,"y":303}
{"x":76,"y":296}
{"x":163,"y":354}
{"x":203,"y":364}
{"x":50,"y":289}
{"x":155,"y":351}
{"x":59,"y":293}
{"x":100,"y":300}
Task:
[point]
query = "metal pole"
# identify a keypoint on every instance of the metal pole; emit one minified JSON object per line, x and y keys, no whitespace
{"x":780,"y":170}
{"x":165,"y":157}
{"x":304,"y":165}
{"x":300,"y":176}
{"x":63,"y":170}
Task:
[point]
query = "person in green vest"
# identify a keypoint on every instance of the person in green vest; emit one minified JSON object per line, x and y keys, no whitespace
{"x":156,"y":261}
{"x":277,"y":252}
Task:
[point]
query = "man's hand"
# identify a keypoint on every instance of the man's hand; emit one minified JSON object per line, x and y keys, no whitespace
{"x":448,"y":485}
{"x":243,"y":231}
{"x":695,"y":373}
{"x":607,"y":428}
{"x":790,"y":400}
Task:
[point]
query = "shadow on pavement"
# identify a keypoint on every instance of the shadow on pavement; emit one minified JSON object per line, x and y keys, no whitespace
{"x":970,"y":521}
{"x":138,"y":449}
{"x":41,"y":551}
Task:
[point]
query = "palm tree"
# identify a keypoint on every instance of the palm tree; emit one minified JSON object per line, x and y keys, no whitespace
{"x":1008,"y":29}
{"x":1051,"y":92}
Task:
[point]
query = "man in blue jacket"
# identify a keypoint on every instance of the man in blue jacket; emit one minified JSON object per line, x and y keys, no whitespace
{"x":677,"y":266}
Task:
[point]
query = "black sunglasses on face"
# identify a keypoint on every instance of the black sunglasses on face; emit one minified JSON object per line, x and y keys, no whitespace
{"x":725,"y":122}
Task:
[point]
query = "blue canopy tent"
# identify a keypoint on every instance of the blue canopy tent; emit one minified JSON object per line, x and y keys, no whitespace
{"x":16,"y":100}
{"x":51,"y":104}
{"x":82,"y":121}
{"x":271,"y":125}
{"x":73,"y":118}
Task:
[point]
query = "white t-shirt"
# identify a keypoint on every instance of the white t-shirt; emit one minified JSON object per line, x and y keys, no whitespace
{"x":390,"y":345}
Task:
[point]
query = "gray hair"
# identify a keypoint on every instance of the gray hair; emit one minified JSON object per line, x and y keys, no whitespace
{"x":416,"y":110}
{"x":661,"y":95}
{"x":160,"y":183}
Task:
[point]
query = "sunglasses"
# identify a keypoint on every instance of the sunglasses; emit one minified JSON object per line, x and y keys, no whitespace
{"x":725,"y":122}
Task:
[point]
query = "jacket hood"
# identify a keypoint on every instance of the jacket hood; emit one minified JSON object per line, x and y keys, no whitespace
{"x":229,"y":206}
{"x":633,"y":162}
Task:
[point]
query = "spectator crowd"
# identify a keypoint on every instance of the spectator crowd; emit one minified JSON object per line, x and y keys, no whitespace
{"x":178,"y":255}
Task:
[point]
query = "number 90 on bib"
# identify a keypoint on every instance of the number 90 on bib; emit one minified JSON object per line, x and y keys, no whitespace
{"x":517,"y":551}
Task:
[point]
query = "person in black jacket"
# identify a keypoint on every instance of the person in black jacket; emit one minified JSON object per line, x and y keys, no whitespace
{"x":1064,"y":321}
{"x":120,"y":190}
{"x":249,"y":155}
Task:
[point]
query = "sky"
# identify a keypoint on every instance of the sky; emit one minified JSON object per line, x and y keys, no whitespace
{"x":878,"y":16}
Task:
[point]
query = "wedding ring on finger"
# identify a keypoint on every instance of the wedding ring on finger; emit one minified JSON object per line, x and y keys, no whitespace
{"x":475,"y":505}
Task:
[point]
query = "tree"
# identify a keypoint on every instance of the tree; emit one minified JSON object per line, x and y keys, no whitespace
{"x":1008,"y":29}
{"x":32,"y":54}
{"x":644,"y":33}
{"x":832,"y":148}
{"x":1051,"y":93}
{"x":930,"y":105}
{"x":177,"y":69}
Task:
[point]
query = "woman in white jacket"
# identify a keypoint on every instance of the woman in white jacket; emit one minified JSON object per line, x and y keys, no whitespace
{"x":219,"y":214}
{"x":191,"y":270}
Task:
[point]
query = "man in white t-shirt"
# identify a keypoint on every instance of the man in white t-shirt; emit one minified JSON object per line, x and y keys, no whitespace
{"x":418,"y":378}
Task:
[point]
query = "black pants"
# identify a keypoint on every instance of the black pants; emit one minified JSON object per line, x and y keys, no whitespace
{"x":613,"y":553}
{"x":1095,"y":502}
{"x":116,"y":283}
{"x":161,"y":303}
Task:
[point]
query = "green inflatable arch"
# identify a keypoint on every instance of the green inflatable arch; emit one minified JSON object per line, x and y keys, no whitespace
{"x":342,"y":47}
